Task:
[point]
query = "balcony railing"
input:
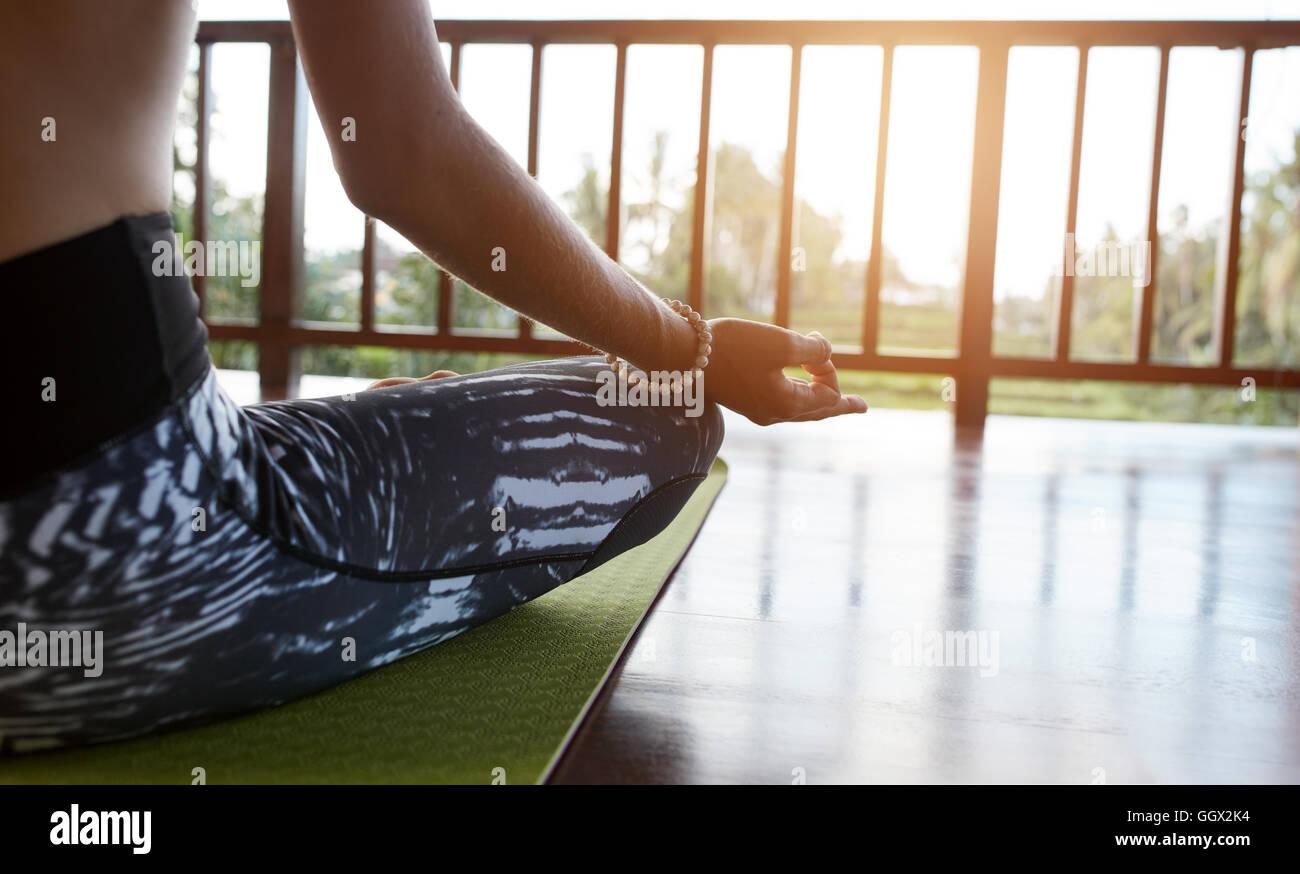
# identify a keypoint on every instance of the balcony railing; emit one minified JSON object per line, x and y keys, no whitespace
{"x":277,"y":333}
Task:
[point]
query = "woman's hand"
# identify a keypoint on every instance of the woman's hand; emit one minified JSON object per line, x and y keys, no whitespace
{"x":746,"y":374}
{"x":403,"y":380}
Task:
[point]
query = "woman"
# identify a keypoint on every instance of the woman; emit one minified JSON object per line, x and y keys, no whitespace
{"x":234,"y":558}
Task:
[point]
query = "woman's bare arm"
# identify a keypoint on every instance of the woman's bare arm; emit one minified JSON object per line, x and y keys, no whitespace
{"x":421,"y":164}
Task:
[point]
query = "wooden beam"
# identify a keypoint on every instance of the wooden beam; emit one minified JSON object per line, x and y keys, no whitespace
{"x":1145,"y":305}
{"x":282,"y":221}
{"x":1264,"y":34}
{"x":534,"y":108}
{"x":534,"y":128}
{"x":1259,"y":34}
{"x":976,"y":306}
{"x":614,"y":210}
{"x":871,"y":297}
{"x":1225,"y":292}
{"x":703,"y":202}
{"x":392,"y":336}
{"x":446,"y":283}
{"x":786,"y":247}
{"x":368,"y":276}
{"x":202,"y":173}
{"x":1065,"y":301}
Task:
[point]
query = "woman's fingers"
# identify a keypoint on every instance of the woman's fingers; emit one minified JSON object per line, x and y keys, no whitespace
{"x":403,"y":380}
{"x":799,"y":398}
{"x":392,"y":380}
{"x":801,"y":401}
{"x":806,"y":349}
{"x":779,"y":346}
{"x":820,"y":398}
{"x":824,"y":374}
{"x":845,"y":405}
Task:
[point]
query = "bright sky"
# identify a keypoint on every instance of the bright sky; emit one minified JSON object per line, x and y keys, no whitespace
{"x":930,"y":134}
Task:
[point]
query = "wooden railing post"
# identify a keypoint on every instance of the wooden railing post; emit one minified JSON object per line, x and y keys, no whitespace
{"x":282,"y":221}
{"x":1144,"y":306}
{"x":976,"y":307}
{"x":785,"y":251}
{"x":534,"y":132}
{"x":446,"y":285}
{"x":1227,"y":266}
{"x":1061,"y":325}
{"x":871,"y":293}
{"x":703,"y":203}
{"x":202,"y":170}
{"x":614,"y":217}
{"x":368,"y":274}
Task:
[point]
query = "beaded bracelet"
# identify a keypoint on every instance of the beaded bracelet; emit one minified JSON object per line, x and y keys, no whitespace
{"x":670,"y":386}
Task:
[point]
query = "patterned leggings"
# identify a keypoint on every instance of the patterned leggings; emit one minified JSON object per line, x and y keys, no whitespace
{"x":226,"y":553}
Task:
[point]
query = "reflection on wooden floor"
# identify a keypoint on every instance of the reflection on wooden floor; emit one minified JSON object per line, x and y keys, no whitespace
{"x":1135,"y":589}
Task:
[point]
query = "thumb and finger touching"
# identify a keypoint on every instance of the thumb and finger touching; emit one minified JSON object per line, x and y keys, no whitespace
{"x":819,"y":397}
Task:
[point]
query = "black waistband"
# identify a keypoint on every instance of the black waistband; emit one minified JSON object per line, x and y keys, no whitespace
{"x":95,"y":343}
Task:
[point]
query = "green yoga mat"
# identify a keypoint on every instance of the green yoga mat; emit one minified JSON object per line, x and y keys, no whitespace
{"x":495,"y":704}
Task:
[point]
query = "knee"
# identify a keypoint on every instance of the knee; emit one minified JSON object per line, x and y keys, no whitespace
{"x":674,"y":484}
{"x":709,"y":431}
{"x":680,"y":442}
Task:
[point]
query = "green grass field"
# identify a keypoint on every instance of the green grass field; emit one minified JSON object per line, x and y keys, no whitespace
{"x":931,"y":330}
{"x":1088,"y":399}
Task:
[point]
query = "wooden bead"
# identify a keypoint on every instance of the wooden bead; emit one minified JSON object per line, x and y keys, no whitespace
{"x":703,"y":349}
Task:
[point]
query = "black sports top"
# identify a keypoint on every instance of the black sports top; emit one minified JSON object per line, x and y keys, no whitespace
{"x":95,"y":344}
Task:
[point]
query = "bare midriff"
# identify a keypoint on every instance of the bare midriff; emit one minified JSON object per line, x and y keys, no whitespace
{"x":88,"y":106}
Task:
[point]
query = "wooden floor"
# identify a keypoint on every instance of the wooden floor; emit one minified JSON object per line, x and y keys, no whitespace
{"x":1135,"y":587}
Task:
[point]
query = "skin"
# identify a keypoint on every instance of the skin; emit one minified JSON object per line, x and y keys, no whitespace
{"x":110,"y":75}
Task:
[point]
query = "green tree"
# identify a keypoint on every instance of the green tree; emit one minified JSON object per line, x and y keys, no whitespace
{"x":1268,"y":290}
